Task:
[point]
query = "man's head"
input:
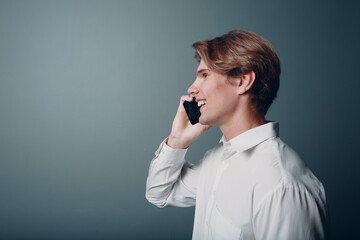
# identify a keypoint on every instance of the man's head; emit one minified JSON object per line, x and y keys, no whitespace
{"x":240,"y":52}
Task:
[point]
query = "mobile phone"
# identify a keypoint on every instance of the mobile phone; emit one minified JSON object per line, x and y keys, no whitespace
{"x":193,"y":111}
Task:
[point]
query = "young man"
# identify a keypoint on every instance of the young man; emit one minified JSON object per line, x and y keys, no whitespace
{"x":251,"y":185}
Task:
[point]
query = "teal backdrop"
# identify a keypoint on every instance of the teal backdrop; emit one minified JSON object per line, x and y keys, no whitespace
{"x":88,"y":90}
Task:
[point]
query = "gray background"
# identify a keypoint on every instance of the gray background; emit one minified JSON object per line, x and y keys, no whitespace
{"x":88,"y":89}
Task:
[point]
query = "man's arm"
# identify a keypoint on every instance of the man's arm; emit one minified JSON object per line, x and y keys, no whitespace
{"x":172,"y":181}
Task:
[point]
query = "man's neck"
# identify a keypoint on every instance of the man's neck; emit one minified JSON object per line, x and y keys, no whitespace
{"x":241,"y":123}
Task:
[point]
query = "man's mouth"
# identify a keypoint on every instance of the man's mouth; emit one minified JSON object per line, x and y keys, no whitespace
{"x":201,"y":103}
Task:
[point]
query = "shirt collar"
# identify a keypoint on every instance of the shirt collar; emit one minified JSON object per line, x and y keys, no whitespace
{"x":252,"y":137}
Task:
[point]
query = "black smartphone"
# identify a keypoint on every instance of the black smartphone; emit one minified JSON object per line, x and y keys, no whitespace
{"x":193,"y":111}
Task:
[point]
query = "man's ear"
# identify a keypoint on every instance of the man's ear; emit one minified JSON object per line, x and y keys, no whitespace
{"x":246,"y":81}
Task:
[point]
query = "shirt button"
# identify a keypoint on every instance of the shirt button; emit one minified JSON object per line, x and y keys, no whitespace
{"x":214,"y":192}
{"x":207,"y":223}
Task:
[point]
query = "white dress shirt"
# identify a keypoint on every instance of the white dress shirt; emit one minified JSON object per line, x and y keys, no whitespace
{"x":251,"y":187}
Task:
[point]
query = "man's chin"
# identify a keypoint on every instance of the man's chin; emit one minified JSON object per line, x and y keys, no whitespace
{"x":203,"y":121}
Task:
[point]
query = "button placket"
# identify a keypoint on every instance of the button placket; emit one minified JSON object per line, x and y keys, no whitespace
{"x":224,"y":164}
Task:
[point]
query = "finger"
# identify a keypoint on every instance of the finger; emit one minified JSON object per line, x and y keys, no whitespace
{"x":182,"y":100}
{"x":188,"y":98}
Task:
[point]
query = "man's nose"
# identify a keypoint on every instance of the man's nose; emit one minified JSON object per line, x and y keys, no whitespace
{"x":193,"y":89}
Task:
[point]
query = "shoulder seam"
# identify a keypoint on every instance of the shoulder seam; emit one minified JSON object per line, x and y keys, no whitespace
{"x":276,"y":188}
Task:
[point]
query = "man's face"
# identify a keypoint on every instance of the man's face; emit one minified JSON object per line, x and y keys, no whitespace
{"x":216,"y":95}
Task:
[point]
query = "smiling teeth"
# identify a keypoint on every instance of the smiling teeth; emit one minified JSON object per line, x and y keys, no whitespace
{"x":200,"y":103}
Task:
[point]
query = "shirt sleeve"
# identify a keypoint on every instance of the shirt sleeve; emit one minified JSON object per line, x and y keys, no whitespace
{"x":171,"y":180}
{"x":290,"y":213}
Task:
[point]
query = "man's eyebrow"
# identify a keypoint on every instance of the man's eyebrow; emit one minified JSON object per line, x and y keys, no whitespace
{"x":201,"y":71}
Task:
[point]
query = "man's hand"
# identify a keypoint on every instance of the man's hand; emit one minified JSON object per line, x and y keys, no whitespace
{"x":182,"y":132}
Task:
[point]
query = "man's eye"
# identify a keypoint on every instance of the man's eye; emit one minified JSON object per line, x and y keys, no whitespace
{"x":205,"y":75}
